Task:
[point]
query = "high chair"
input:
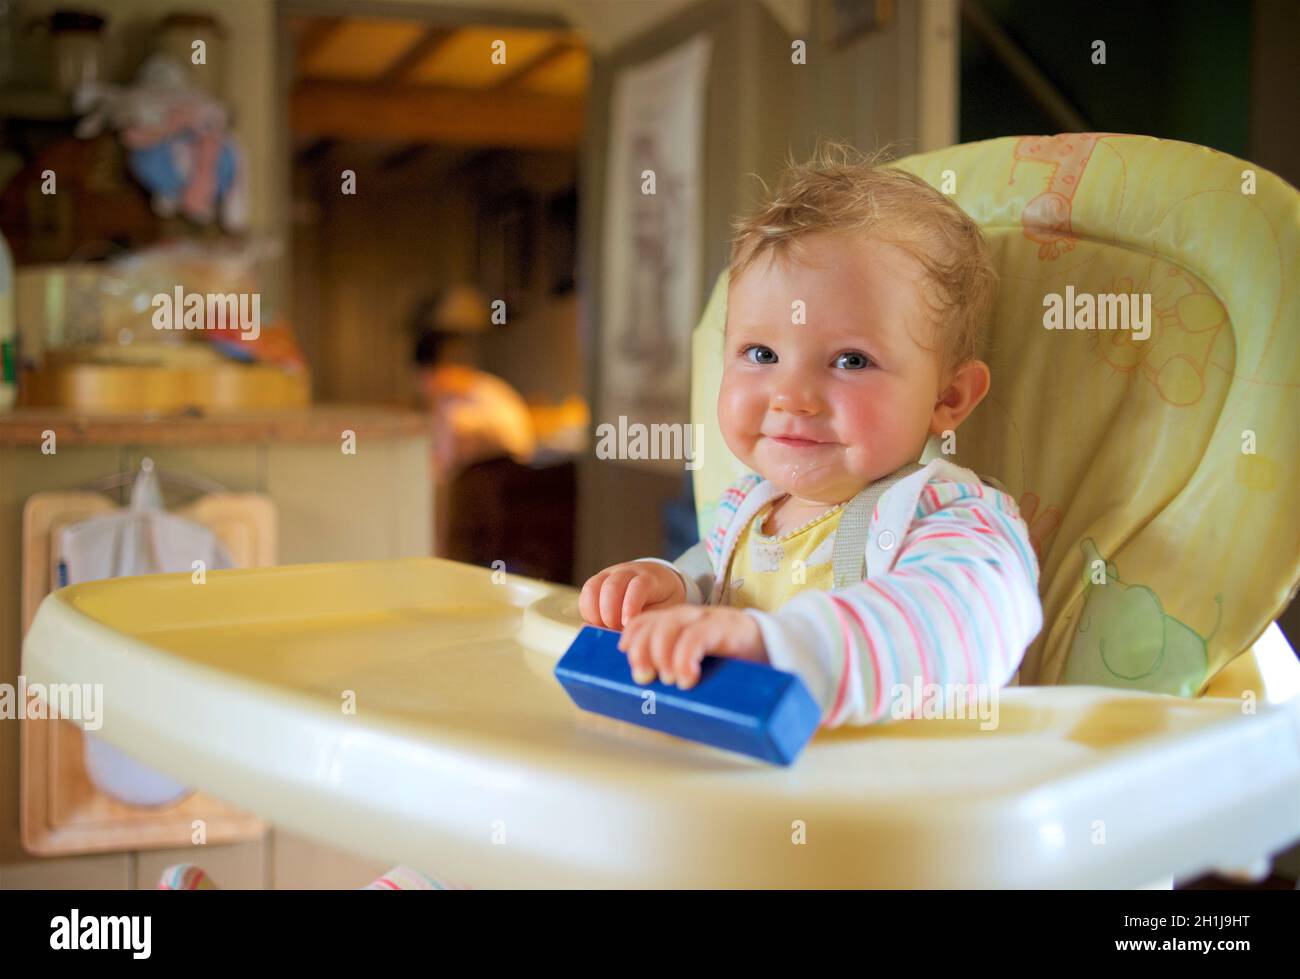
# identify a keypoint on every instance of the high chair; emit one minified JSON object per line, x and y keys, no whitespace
{"x":406,"y":709}
{"x":1166,"y":463}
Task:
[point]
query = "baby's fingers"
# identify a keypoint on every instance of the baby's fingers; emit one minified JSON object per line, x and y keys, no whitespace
{"x":694,"y":643}
{"x":611,"y":598}
{"x":663,"y":645}
{"x":634,"y":599}
{"x":637,"y":642}
{"x":662,"y":642}
{"x":589,"y":599}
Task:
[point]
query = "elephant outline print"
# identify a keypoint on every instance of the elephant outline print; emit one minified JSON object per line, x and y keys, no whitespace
{"x":1124,"y":638}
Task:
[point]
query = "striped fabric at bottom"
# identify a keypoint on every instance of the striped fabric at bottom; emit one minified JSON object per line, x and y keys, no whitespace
{"x":189,"y":877}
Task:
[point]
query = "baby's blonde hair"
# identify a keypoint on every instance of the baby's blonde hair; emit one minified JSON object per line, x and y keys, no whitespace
{"x":842,"y":190}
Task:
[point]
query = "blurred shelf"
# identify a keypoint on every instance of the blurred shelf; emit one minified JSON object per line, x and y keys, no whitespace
{"x":95,"y":388}
{"x":317,"y":423}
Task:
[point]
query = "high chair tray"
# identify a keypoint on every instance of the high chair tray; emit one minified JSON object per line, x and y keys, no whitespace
{"x":406,"y":710}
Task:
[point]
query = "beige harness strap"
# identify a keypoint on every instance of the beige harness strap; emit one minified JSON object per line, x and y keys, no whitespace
{"x":850,"y":550}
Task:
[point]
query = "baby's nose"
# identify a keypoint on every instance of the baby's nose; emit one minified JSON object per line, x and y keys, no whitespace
{"x":796,"y":399}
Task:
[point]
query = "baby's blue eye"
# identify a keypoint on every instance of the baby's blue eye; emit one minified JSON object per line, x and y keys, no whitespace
{"x":852,"y":361}
{"x":762,"y":351}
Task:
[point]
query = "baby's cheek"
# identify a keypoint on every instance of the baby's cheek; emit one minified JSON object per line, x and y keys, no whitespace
{"x":738,"y":419}
{"x":868,"y":439}
{"x":862,"y":420}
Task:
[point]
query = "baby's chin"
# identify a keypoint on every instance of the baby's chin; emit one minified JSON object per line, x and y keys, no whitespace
{"x":817,"y":481}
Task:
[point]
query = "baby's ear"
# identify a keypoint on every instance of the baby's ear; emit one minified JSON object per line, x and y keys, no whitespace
{"x":966,"y":389}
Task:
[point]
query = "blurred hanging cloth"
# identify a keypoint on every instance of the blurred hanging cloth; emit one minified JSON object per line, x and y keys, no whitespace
{"x":142,"y":539}
{"x":178,"y":140}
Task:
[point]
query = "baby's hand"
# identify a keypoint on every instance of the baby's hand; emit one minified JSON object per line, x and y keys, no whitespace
{"x":672,"y":641}
{"x":613,"y":597}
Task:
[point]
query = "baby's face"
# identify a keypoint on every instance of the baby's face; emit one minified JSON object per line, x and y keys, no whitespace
{"x":824,"y":407}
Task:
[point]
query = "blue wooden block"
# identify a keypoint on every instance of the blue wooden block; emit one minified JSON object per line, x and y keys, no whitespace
{"x":740,"y":706}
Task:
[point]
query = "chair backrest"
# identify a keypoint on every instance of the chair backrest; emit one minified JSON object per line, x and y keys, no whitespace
{"x":1157,"y":476}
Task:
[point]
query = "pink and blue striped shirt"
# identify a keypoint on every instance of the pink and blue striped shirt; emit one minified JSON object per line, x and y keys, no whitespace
{"x":952,"y":603}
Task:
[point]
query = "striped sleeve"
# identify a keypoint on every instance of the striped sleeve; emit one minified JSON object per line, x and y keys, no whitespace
{"x":955,"y":614}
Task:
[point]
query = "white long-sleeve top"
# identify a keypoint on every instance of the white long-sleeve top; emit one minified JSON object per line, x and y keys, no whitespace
{"x":948,"y":598}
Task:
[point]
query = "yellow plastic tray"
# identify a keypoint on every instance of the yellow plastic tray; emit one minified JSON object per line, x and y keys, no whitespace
{"x":465,"y":758}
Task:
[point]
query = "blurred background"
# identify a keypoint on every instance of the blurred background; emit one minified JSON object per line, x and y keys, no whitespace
{"x":429,"y":200}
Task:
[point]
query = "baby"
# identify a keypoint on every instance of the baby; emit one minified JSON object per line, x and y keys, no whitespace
{"x":856,"y":305}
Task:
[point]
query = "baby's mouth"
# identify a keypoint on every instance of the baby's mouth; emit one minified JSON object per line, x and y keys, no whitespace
{"x":796,"y":443}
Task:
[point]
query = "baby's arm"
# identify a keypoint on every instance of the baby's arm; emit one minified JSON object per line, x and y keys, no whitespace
{"x":960,"y":606}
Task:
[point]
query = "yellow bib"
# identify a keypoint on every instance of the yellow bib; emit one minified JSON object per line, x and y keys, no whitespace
{"x":766,"y":572}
